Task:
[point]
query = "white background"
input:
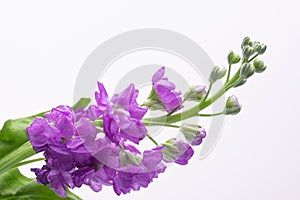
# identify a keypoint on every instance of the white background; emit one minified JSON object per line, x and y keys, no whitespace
{"x":43,"y":45}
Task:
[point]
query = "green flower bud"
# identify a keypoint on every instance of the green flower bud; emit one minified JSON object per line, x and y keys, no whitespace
{"x":195,"y":93}
{"x":240,"y":82}
{"x":259,"y":66}
{"x":216,"y":74}
{"x":232,"y":106}
{"x":259,"y":48}
{"x":233,"y":58}
{"x":247,"y":70}
{"x":246,"y":41}
{"x":153,"y":102}
{"x":248,"y":51}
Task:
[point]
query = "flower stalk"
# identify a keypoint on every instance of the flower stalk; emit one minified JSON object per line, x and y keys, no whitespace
{"x":98,"y":146}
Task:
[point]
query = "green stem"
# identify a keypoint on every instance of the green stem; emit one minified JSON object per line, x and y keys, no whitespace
{"x":122,"y":148}
{"x":208,"y":91}
{"x":13,"y":158}
{"x":211,"y":115}
{"x":149,"y":123}
{"x":152,"y":139}
{"x":228,"y":75}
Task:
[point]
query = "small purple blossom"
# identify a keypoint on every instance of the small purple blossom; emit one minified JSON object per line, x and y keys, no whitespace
{"x":121,"y":115}
{"x":94,"y":178}
{"x":194,"y":134}
{"x":165,"y":90}
{"x":133,"y":177}
{"x":177,"y":151}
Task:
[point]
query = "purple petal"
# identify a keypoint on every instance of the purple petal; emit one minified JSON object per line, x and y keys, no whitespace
{"x":124,"y":98}
{"x":101,"y":97}
{"x":135,"y":132}
{"x":93,"y":112}
{"x":86,"y":130}
{"x":65,"y":126}
{"x":135,"y":110}
{"x":152,"y":158}
{"x":158,"y":75}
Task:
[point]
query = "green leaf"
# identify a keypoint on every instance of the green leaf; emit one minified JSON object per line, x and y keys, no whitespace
{"x":83,"y":102}
{"x":15,"y":186}
{"x":13,"y":135}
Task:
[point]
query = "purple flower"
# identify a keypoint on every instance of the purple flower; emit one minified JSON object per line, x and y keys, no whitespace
{"x":133,"y":177}
{"x":94,"y":178}
{"x":42,"y":174}
{"x":39,"y":133}
{"x":194,"y":134}
{"x":102,"y":169}
{"x":121,"y":115}
{"x":56,"y":172}
{"x":63,"y":119}
{"x":165,"y":91}
{"x":106,"y":153}
{"x":58,"y":179}
{"x":177,"y":151}
{"x":63,"y":136}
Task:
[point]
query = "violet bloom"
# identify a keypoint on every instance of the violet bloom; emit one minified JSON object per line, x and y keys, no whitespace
{"x":164,"y":89}
{"x":101,"y":171}
{"x":74,"y":156}
{"x":121,"y":115}
{"x":94,"y":178}
{"x":56,"y":172}
{"x":177,"y":151}
{"x":133,"y":177}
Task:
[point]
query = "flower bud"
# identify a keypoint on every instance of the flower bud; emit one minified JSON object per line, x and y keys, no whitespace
{"x":259,"y":66}
{"x":259,"y":48}
{"x":194,"y":134}
{"x":216,"y":74}
{"x":233,"y":58}
{"x":248,"y":51}
{"x":177,"y":151}
{"x":232,"y":106}
{"x":240,"y":82}
{"x":246,"y":41}
{"x":195,"y":93}
{"x":247,"y":70}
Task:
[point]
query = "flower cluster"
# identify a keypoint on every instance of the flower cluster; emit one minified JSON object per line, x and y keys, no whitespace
{"x":95,"y":146}
{"x":98,"y":146}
